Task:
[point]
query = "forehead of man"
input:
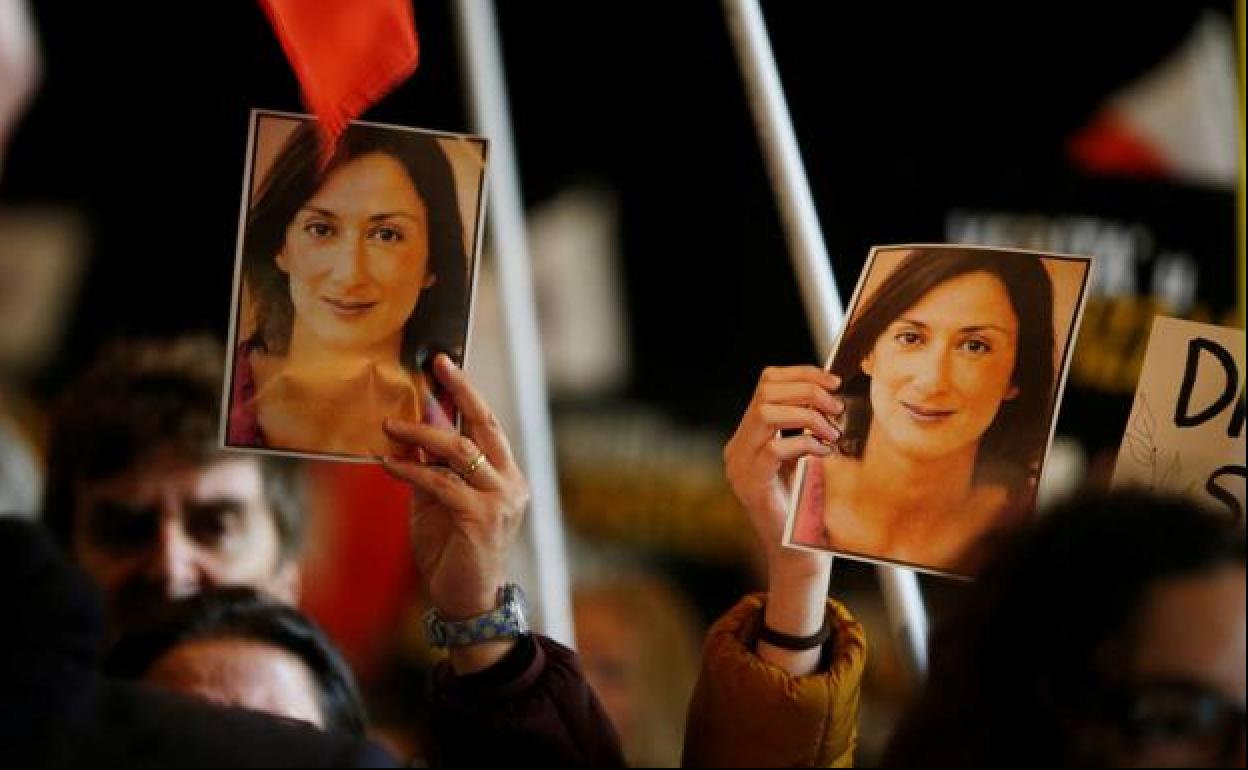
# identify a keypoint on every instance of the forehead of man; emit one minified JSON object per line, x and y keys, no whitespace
{"x":243,"y":673}
{"x":166,"y":475}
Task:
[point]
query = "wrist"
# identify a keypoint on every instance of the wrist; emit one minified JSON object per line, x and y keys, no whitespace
{"x":803,"y":575}
{"x":480,"y":640}
{"x":468,"y":604}
{"x":797,"y":603}
{"x":478,"y":657}
{"x":801,"y":616}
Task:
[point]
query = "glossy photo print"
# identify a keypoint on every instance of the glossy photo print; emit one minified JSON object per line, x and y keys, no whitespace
{"x":951,"y":365}
{"x":354,"y":270}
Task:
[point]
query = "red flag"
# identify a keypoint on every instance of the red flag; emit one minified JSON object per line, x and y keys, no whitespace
{"x":358,"y":570}
{"x":1177,"y":121}
{"x":1110,"y":145}
{"x":347,"y":54}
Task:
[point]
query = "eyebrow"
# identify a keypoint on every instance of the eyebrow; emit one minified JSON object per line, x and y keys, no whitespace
{"x":223,"y":503}
{"x":392,"y":214}
{"x":374,"y":218}
{"x":120,"y":509}
{"x":976,"y":328}
{"x":106,"y":508}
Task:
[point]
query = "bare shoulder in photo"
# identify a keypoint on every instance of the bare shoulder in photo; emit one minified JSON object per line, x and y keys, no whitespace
{"x":354,"y":269}
{"x":952,"y":365}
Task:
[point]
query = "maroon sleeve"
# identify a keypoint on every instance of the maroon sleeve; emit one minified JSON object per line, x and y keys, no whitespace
{"x":533,"y":707}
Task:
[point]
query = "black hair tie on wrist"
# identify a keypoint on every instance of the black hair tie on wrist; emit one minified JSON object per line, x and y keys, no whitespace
{"x":797,"y":643}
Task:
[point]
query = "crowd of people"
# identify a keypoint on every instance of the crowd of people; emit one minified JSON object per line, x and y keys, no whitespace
{"x":151,"y":606}
{"x":1109,"y":631}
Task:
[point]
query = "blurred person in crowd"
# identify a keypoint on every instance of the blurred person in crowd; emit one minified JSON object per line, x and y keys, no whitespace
{"x":142,"y":498}
{"x":236,"y":647}
{"x":358,"y":275}
{"x":1110,"y":632}
{"x":20,"y":67}
{"x":58,"y":710}
{"x":19,"y":475}
{"x":638,"y":641}
{"x":948,"y":369}
{"x":503,"y":693}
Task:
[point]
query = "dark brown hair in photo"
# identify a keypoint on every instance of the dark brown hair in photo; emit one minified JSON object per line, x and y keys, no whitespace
{"x":1011,"y":450}
{"x":440,"y":320}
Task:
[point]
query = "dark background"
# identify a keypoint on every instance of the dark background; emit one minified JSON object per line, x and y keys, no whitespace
{"x":902,"y":112}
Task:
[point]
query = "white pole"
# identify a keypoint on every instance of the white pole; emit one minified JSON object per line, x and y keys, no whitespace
{"x":811,"y":263}
{"x":788,"y":175}
{"x":907,"y":616}
{"x":481,"y":54}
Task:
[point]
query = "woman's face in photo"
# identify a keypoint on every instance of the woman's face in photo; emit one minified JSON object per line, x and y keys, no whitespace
{"x":357,"y":254}
{"x":941,"y":370}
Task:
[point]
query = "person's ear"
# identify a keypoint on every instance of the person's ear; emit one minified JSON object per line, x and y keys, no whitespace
{"x":281,"y":261}
{"x":430,"y":280}
{"x":1012,"y":393}
{"x":868,"y":365}
{"x":287,"y":583}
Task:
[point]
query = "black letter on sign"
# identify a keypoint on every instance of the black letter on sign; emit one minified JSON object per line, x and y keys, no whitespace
{"x":1222,"y":495}
{"x":1182,"y":418}
{"x":1236,"y":425}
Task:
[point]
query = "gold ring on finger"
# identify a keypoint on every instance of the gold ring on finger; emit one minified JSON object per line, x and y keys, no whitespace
{"x":473,"y":466}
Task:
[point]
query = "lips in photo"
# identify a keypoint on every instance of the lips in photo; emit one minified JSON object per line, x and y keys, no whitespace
{"x":348,"y":308}
{"x":927,"y":414}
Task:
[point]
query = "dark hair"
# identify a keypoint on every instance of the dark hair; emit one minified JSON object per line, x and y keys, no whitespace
{"x":142,"y":396}
{"x":438,"y":322}
{"x":1015,"y":441}
{"x":1017,"y":663}
{"x":242,"y":613}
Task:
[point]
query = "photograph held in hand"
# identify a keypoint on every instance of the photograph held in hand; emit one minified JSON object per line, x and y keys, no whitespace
{"x":951,"y":368}
{"x":352,"y":274}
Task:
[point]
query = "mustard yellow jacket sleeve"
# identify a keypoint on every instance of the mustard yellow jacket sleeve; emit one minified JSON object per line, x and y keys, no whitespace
{"x":748,"y":713}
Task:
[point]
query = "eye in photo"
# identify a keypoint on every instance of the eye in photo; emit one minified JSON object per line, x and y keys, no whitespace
{"x":951,"y":366}
{"x":354,"y":269}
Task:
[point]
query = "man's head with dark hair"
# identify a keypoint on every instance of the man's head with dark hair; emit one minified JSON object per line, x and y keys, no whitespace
{"x":1110,"y":631}
{"x":141,"y":497}
{"x":237,"y":648}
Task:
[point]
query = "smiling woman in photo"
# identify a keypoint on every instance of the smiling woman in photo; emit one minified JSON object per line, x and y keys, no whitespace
{"x":357,"y":273}
{"x":948,"y":374}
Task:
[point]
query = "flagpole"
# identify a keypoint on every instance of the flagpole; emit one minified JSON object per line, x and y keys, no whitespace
{"x":481,"y":54}
{"x":824,"y":311}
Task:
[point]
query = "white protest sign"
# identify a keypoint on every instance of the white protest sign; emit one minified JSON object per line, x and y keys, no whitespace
{"x":1186,"y":430}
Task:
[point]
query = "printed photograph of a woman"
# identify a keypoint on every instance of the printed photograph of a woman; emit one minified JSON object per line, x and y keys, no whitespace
{"x":355,"y":271}
{"x":950,"y":366}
